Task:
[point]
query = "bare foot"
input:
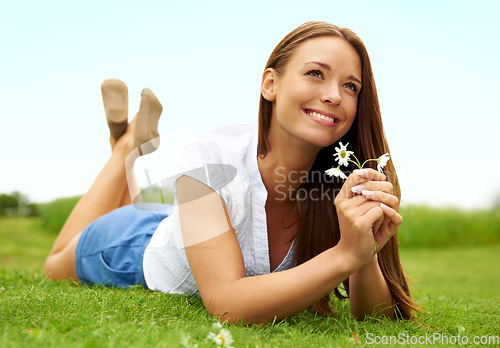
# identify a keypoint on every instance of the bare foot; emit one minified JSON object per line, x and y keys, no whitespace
{"x":115,"y":100}
{"x":146,"y":134}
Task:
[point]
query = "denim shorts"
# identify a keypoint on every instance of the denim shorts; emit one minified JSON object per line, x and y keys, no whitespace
{"x":110,"y":250}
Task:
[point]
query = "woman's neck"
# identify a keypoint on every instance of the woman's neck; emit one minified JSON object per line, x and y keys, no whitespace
{"x":285,"y":167}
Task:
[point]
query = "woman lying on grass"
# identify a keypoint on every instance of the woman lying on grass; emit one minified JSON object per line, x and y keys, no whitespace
{"x":258,"y":230}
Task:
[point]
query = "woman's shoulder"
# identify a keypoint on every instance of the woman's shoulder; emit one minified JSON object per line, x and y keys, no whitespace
{"x":222,"y":150}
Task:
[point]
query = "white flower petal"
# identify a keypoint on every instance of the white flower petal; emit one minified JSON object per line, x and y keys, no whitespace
{"x":382,"y":161}
{"x":342,"y":155}
{"x":226,"y":336}
{"x":214,"y":338}
{"x":336,"y":172}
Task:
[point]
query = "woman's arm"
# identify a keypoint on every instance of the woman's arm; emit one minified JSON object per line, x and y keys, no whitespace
{"x":369,"y":293}
{"x":227,"y":293}
{"x":216,"y":261}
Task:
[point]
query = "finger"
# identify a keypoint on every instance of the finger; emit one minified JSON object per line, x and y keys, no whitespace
{"x":393,"y":220}
{"x":383,"y":235}
{"x":374,"y":214}
{"x":369,"y":174}
{"x":392,"y":214}
{"x":358,"y":205}
{"x":383,"y":186}
{"x":379,"y":196}
{"x":377,"y":224}
{"x":357,"y":177}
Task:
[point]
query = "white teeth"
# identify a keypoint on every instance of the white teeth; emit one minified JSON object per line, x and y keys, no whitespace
{"x":315,"y":114}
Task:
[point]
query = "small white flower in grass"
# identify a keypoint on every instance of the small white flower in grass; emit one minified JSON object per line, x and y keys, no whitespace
{"x":185,"y":340}
{"x":215,"y":338}
{"x":342,"y":155}
{"x":223,"y":338}
{"x":336,"y":172}
{"x":382,"y":161}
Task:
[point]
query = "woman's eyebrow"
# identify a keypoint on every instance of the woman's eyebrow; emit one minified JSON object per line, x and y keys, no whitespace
{"x":355,"y":79}
{"x":329,"y":68}
{"x":323,"y":65}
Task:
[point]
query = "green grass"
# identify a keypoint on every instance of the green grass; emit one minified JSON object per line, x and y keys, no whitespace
{"x":25,"y":242}
{"x":38,"y":312}
{"x":455,"y":271}
{"x":458,"y":286}
{"x":55,"y":213}
{"x":444,"y":227}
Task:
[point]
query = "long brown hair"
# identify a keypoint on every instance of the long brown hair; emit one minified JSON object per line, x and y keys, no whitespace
{"x":318,"y":226}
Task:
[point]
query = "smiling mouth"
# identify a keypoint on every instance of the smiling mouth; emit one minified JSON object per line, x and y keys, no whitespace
{"x":323,"y":117}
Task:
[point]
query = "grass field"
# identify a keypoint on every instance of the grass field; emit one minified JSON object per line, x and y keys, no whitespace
{"x":457,"y":283}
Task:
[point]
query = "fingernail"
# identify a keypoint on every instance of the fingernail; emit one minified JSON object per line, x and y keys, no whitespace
{"x":368,"y":193}
{"x":360,"y":171}
{"x":357,"y":188}
{"x":383,"y":206}
{"x":144,"y":92}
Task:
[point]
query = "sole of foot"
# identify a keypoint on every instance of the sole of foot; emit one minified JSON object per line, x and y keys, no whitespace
{"x":147,"y":138}
{"x":115,"y":100}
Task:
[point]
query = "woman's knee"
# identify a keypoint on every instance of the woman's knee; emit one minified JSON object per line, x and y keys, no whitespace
{"x":62,"y":265}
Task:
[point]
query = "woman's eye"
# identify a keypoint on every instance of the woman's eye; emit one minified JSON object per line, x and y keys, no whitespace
{"x":315,"y":73}
{"x":351,"y":86}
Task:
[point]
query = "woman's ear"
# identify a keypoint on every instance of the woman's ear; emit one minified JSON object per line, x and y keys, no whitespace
{"x":268,"y":85}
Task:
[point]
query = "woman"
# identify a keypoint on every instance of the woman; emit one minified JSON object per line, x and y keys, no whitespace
{"x":274,"y":236}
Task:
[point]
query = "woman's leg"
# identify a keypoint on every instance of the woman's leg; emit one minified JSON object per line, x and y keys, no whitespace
{"x":104,"y":195}
{"x":108,"y":192}
{"x":146,"y":140}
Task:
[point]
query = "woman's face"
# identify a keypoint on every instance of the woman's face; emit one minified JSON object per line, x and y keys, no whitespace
{"x":316,"y":95}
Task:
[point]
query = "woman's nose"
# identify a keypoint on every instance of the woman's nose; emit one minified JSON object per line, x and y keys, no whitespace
{"x":331,"y":96}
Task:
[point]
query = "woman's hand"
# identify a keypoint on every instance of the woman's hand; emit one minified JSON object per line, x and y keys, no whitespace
{"x":367,"y":212}
{"x":217,"y":264}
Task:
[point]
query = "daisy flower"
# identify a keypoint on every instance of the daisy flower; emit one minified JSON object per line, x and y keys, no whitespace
{"x":342,"y":155}
{"x":336,"y":172}
{"x":223,"y":338}
{"x":382,"y":161}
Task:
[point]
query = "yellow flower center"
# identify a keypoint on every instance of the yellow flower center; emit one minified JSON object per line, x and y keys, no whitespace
{"x":343,"y":153}
{"x":222,"y":339}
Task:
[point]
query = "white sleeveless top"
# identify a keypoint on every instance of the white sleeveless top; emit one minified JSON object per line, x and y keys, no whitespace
{"x":214,"y":159}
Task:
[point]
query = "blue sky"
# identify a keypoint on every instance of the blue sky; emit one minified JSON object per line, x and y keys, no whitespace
{"x":435,"y":65}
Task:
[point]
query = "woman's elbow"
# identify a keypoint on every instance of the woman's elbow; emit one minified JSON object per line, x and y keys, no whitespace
{"x":360,"y":315}
{"x":225,"y":312}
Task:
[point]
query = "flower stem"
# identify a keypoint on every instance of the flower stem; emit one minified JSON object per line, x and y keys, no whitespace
{"x":357,"y":160}
{"x":357,"y":164}
{"x":368,"y":160}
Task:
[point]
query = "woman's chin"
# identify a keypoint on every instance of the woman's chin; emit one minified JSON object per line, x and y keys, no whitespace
{"x":323,"y":139}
